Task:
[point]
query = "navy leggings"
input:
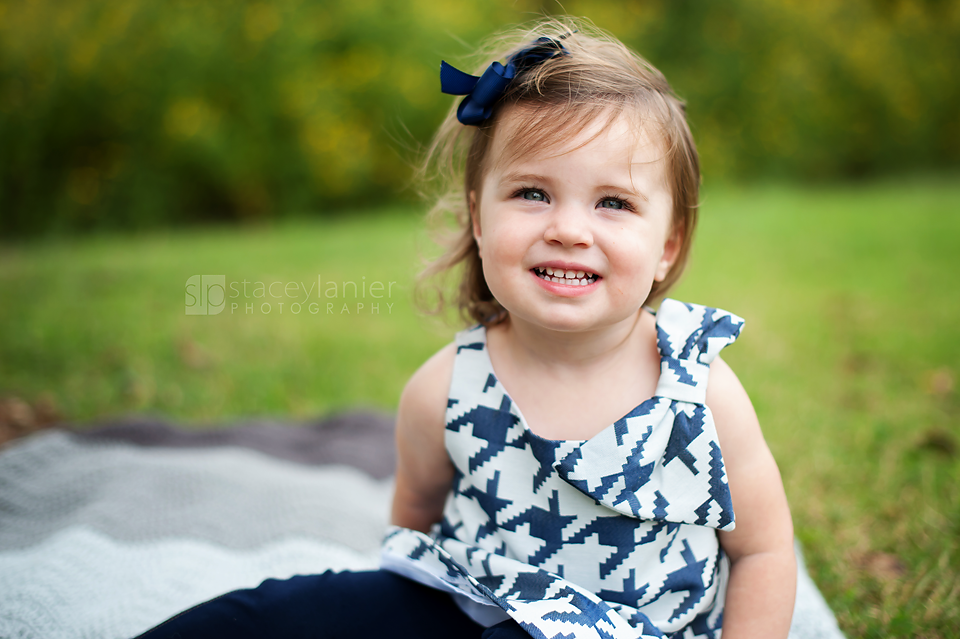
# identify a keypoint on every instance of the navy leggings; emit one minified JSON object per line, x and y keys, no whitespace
{"x":354,"y":605}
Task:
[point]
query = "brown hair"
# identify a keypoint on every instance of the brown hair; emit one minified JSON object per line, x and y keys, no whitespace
{"x":599,"y":77}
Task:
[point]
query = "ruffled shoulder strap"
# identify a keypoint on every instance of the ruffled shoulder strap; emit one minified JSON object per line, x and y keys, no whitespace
{"x":689,"y":337}
{"x":662,"y":461}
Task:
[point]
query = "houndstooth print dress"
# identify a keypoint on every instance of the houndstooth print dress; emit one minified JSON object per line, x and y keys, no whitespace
{"x":611,"y":537}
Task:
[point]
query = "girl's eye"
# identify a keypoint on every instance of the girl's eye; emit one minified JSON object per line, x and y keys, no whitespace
{"x":612,"y":203}
{"x":533,"y":194}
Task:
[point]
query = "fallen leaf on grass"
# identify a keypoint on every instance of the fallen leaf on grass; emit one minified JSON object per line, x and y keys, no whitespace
{"x":16,"y":413}
{"x":881,"y":565}
{"x":193,"y":355}
{"x":940,"y":381}
{"x":19,"y":418}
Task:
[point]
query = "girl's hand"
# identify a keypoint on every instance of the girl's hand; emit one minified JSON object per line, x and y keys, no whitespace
{"x":763,"y":573}
{"x":424,"y":470}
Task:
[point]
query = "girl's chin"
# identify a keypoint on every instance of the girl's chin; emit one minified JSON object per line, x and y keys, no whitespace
{"x":569,"y":320}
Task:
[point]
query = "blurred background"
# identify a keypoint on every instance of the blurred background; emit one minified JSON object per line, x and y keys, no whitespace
{"x":146,"y":113}
{"x":145,"y":143}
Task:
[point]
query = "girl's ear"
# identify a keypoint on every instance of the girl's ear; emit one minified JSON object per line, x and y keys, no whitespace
{"x":671,"y":250}
{"x":475,"y":222}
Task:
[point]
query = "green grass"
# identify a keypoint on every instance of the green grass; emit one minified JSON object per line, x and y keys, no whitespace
{"x":100,"y":323}
{"x":850,"y":353}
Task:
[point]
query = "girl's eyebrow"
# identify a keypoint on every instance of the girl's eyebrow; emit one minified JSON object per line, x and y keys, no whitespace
{"x":524,"y":177}
{"x":613,"y":190}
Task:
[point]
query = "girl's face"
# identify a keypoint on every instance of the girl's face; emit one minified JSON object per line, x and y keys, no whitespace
{"x":572,"y":239}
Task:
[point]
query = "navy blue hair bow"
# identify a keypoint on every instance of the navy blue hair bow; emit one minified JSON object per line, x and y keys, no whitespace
{"x":484,"y":91}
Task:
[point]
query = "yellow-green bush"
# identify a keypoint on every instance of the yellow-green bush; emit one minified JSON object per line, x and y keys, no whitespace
{"x":134,"y":113}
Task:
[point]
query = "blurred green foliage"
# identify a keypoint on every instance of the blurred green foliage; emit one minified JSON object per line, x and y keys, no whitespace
{"x":143,"y":113}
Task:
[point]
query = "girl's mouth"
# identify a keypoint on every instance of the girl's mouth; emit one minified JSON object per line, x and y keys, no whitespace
{"x":568,"y":277}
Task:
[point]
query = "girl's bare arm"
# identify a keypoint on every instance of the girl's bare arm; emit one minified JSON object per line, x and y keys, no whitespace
{"x":424,"y":471}
{"x":763,"y":577}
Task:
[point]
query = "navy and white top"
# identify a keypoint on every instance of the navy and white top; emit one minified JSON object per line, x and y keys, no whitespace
{"x":609,"y":537}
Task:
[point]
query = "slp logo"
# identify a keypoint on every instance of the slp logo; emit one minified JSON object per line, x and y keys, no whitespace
{"x":205,"y":295}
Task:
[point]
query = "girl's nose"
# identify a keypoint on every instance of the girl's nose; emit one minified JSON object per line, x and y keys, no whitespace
{"x":568,"y":226}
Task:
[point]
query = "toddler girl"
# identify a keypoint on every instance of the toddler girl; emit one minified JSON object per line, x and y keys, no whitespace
{"x":575,"y":465}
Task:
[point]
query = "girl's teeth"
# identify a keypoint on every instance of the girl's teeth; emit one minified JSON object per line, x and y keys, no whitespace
{"x":570,"y":278}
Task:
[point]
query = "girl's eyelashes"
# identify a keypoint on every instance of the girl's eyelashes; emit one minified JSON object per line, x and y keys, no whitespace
{"x":610,"y":202}
{"x":532,"y":194}
{"x":615,"y":203}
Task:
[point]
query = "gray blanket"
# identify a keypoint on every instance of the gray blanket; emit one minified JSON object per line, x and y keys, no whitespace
{"x":108,"y":532}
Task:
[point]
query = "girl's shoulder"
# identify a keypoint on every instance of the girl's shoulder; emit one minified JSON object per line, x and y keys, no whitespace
{"x":427,"y":390}
{"x":730,"y":405}
{"x":425,"y":394}
{"x":423,"y":468}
